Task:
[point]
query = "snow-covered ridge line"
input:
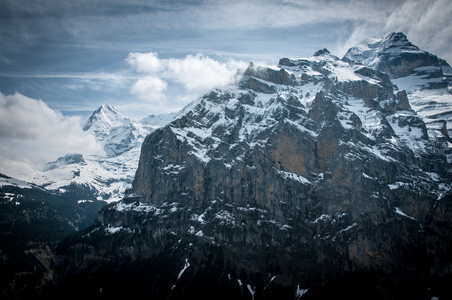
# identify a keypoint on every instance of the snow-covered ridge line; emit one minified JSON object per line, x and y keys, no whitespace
{"x":6,"y":180}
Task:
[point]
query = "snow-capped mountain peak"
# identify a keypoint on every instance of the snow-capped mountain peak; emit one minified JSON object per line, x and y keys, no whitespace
{"x":156,"y":121}
{"x":370,"y":50}
{"x":113,"y":131}
{"x":394,"y":55}
{"x":104,"y":118}
{"x":109,"y":172}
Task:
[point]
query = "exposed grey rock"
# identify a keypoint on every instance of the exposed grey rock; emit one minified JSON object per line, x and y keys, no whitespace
{"x":267,"y":74}
{"x":321,"y":52}
{"x":256,"y":85}
{"x":66,"y":160}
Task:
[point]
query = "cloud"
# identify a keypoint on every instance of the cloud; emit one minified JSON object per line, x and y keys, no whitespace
{"x":257,"y":14}
{"x":150,"y":89}
{"x":196,"y":74}
{"x":32,"y":133}
{"x":200,"y":74}
{"x":144,"y":62}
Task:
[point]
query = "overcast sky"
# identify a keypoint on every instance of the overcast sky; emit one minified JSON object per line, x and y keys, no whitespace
{"x":66,"y":57}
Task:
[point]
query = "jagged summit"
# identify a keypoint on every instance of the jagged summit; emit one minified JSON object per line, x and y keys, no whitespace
{"x":103,"y":118}
{"x":394,"y":55}
{"x":321,"y":52}
{"x":116,"y":133}
{"x":398,"y":40}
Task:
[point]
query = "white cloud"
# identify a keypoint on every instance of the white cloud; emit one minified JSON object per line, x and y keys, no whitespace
{"x":150,"y":89}
{"x":144,"y":62}
{"x":197,"y":75}
{"x":200,"y":74}
{"x":31,"y":133}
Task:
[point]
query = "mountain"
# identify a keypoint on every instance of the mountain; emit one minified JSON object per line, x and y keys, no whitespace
{"x":313,"y":179}
{"x":68,"y":159}
{"x":107,"y":173}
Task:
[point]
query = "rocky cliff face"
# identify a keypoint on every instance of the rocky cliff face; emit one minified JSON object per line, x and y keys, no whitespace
{"x":311,"y":179}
